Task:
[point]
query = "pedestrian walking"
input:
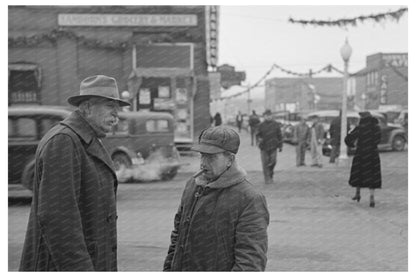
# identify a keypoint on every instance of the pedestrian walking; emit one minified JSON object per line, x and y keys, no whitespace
{"x":217,"y":119}
{"x":239,"y":121}
{"x":253,"y":122}
{"x":222,"y":220}
{"x":72,"y":222}
{"x":365,"y":169}
{"x":270,"y":139}
{"x":335,"y":134}
{"x":301,"y":137}
{"x":316,"y":141}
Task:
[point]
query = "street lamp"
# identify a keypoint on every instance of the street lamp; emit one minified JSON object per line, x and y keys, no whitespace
{"x":346,"y":52}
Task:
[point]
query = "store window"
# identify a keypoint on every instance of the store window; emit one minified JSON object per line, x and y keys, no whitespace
{"x":24,"y":83}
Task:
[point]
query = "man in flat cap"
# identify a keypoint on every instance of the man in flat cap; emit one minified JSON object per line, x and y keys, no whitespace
{"x":221,"y":223}
{"x":72,"y":222}
{"x":316,"y":141}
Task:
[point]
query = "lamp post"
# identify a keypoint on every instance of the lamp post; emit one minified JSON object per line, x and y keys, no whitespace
{"x":346,"y":52}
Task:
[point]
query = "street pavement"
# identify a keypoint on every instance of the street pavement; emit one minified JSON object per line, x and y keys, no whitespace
{"x":314,"y":224}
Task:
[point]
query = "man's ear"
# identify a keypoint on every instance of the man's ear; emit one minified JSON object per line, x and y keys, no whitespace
{"x":232,"y":159}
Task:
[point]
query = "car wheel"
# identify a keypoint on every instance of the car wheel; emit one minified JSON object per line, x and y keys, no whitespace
{"x":121,"y":161}
{"x":28,"y":175}
{"x":169,"y":174}
{"x":398,"y":143}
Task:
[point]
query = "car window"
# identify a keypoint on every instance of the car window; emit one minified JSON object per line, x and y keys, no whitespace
{"x":122,"y":127}
{"x":22,"y":129}
{"x":46,"y":124}
{"x":381,"y":121}
{"x":157,"y":125}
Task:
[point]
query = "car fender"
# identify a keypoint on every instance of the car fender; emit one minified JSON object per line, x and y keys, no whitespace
{"x":395,"y":133}
{"x":124,"y":150}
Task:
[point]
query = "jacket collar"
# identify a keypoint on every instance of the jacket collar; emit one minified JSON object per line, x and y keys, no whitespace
{"x":232,"y":176}
{"x":86,"y":132}
{"x":80,"y":126}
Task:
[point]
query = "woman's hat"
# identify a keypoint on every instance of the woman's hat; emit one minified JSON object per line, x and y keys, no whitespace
{"x":98,"y":86}
{"x":364,"y":114}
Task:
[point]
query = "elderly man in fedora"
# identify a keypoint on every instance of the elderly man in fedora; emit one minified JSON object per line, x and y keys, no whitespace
{"x":221,"y":223}
{"x":72,"y":222}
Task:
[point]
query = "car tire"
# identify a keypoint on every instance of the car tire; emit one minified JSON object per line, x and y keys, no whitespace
{"x":28,"y":175}
{"x":398,"y":143}
{"x":120,"y":161}
{"x":169,"y":175}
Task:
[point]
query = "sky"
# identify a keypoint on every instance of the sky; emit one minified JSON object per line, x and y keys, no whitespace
{"x":253,"y":38}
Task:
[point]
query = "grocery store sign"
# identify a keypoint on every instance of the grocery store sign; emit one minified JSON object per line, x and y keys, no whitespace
{"x":75,"y":19}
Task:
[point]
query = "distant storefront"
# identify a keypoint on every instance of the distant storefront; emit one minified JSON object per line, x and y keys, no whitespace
{"x":160,"y":55}
{"x":303,"y":94}
{"x":383,"y":83}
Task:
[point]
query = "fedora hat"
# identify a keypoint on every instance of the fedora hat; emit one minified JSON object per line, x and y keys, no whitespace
{"x":97,"y":86}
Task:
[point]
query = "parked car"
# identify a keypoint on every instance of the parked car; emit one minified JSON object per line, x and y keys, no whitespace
{"x":142,"y":146}
{"x":402,"y":119}
{"x":288,"y":120}
{"x":393,"y":136}
{"x":27,"y":125}
{"x":142,"y":142}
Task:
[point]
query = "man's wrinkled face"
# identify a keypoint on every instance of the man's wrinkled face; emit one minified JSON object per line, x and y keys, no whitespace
{"x":214,"y":164}
{"x":268,"y":117}
{"x":103,"y":113}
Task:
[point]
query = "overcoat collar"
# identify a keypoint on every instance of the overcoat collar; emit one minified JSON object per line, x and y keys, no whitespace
{"x":85,"y":131}
{"x":234,"y":175}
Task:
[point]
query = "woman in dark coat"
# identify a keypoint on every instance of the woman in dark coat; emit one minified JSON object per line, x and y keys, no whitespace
{"x":365,"y":169}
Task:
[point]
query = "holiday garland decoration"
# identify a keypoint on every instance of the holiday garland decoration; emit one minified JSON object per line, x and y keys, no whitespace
{"x":56,"y":34}
{"x":311,"y":73}
{"x":396,"y":15}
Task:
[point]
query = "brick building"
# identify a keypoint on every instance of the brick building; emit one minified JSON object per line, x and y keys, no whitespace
{"x":383,"y":82}
{"x":161,"y":55}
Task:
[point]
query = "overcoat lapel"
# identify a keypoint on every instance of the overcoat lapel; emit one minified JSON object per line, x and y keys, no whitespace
{"x":94,"y":147}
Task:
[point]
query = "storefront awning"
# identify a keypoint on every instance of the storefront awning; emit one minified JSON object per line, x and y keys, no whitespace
{"x":161,"y":72}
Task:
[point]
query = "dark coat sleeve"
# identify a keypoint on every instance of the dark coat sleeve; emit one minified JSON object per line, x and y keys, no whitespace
{"x":251,"y":237}
{"x":352,"y":137}
{"x":377,"y":134}
{"x":173,"y":240}
{"x":59,"y":215}
{"x":279,"y":136}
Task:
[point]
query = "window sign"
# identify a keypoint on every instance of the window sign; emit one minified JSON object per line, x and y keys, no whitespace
{"x":164,"y":91}
{"x":163,"y":104}
{"x":181,"y":95}
{"x":182,"y":114}
{"x":144,"y":96}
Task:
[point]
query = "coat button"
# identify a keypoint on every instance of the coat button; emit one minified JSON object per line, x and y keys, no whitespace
{"x":114,"y":248}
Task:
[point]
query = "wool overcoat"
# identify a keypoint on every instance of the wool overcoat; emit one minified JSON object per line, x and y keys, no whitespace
{"x":365,"y":169}
{"x":270,"y":135}
{"x":220,"y":227}
{"x":72,"y":222}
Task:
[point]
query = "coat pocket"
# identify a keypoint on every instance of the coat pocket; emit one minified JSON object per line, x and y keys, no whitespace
{"x":92,"y":249}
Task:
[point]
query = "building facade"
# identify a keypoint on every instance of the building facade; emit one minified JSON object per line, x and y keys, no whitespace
{"x":303,"y":94}
{"x":383,"y":83}
{"x":159,"y":55}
